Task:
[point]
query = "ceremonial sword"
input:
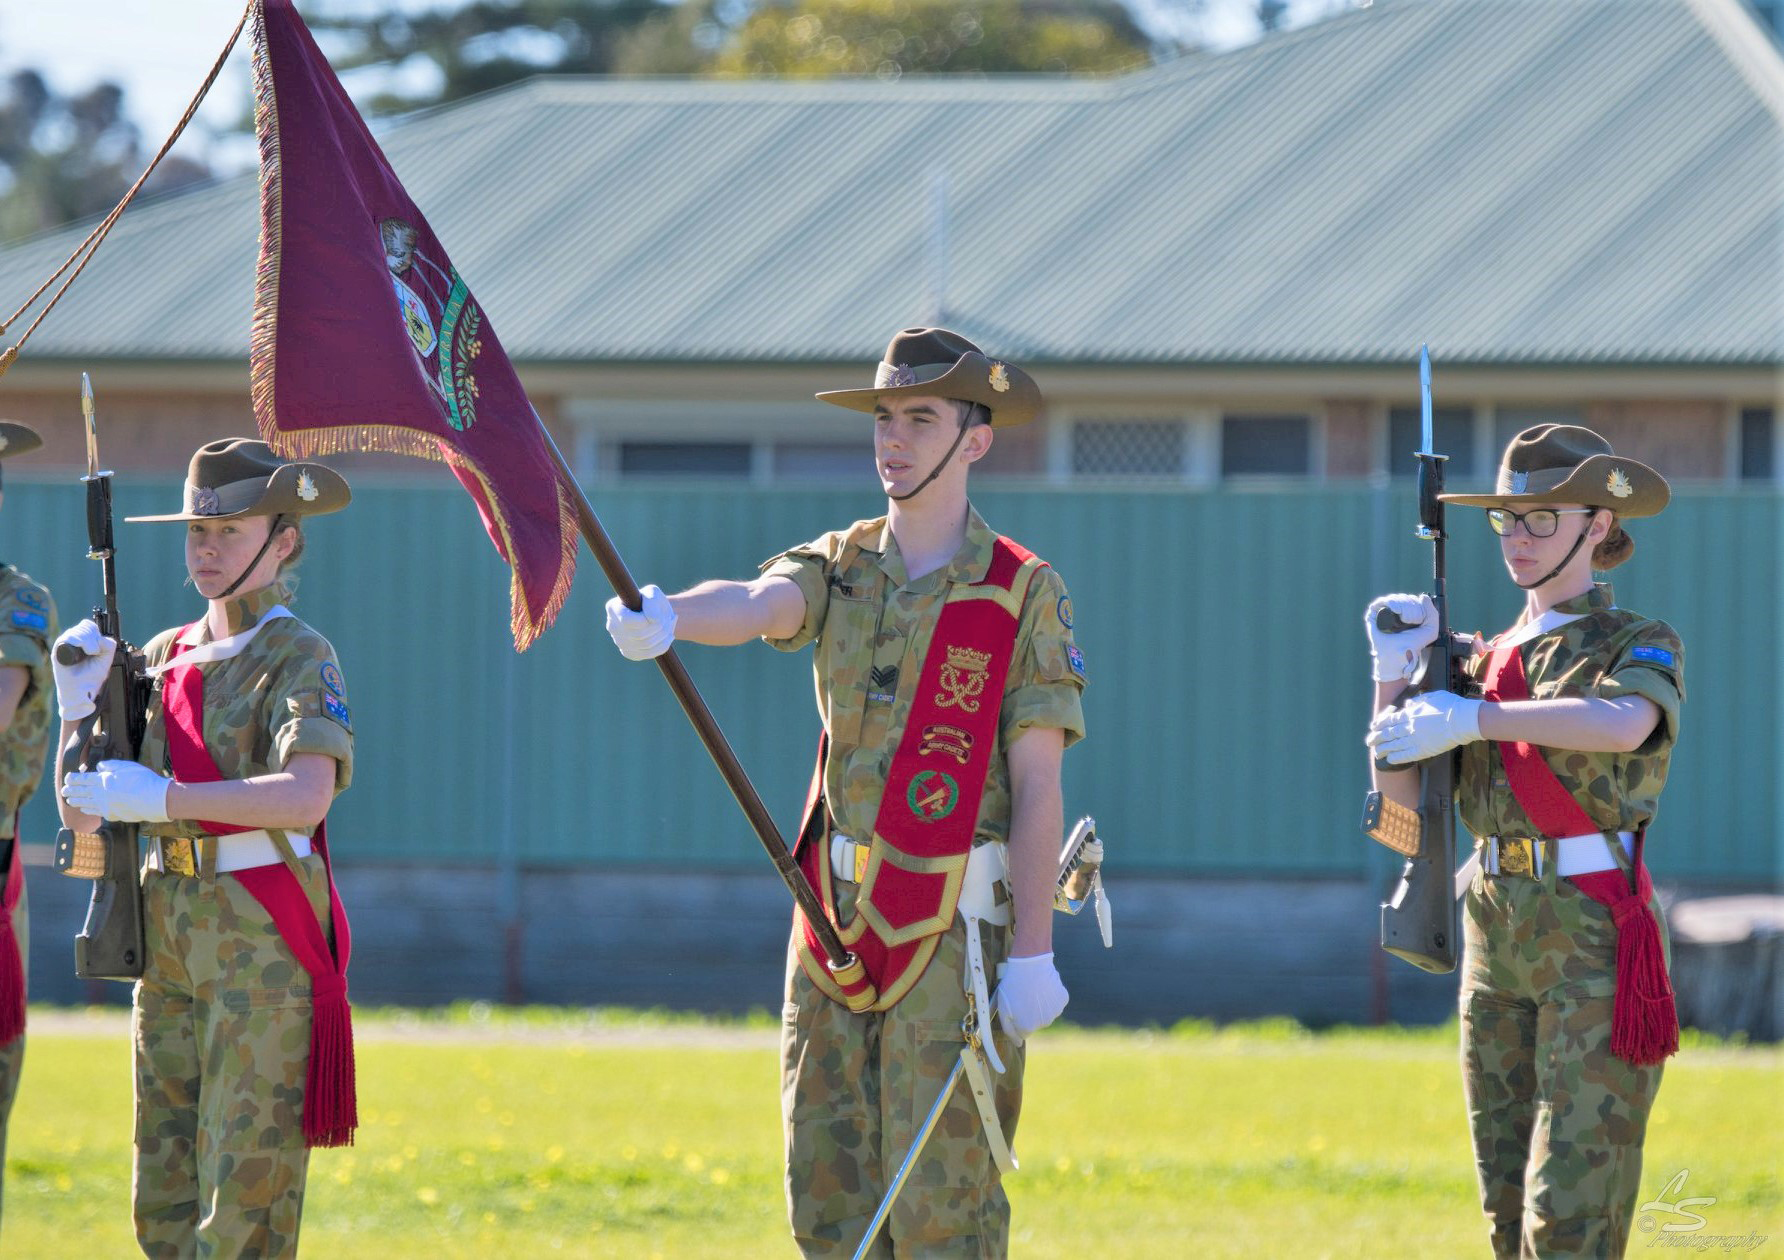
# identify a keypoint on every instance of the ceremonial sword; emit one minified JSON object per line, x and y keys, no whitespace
{"x":1080,"y":877}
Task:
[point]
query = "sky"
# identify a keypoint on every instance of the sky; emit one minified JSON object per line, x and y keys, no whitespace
{"x":160,"y":51}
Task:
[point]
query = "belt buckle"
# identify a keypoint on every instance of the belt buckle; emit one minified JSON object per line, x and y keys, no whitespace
{"x":177,"y":856}
{"x":861,"y":854}
{"x":1517,"y":855}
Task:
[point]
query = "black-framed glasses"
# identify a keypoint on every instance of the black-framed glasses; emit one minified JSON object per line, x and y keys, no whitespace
{"x":1538,"y":522}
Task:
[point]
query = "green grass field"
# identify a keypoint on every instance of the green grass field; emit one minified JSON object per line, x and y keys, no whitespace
{"x":498,"y":1134}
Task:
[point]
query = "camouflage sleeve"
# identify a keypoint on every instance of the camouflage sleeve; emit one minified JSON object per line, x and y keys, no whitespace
{"x":307,"y":710}
{"x":809,"y":566}
{"x":27,"y":628}
{"x":1048,"y":673}
{"x":1650,"y":662}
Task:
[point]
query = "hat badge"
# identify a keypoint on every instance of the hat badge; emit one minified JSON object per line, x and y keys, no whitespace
{"x":1516,"y":482}
{"x":4,"y":441}
{"x":902,"y":374}
{"x":205,"y":501}
{"x":306,"y":488}
{"x":1000,"y":378}
{"x":1618,"y":484}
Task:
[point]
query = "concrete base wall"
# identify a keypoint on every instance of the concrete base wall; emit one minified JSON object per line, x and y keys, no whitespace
{"x":1184,"y":948}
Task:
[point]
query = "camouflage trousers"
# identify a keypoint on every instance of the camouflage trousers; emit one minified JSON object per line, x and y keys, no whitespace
{"x":854,"y":1090}
{"x":12,"y":1054}
{"x":222,"y":1045}
{"x":1557,"y":1119}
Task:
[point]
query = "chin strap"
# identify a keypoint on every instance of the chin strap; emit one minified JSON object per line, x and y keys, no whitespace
{"x":274,"y":533}
{"x":1571,"y":553}
{"x":936,"y":471}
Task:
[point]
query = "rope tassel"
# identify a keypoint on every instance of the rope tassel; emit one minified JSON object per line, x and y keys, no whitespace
{"x":331,"y":1099}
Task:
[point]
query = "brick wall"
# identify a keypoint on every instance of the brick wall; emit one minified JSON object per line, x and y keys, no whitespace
{"x":1349,"y":448}
{"x":156,"y":433}
{"x":1683,"y":439}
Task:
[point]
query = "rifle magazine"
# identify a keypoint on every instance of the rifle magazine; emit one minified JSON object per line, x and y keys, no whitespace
{"x":1392,"y":824}
{"x":80,"y":854}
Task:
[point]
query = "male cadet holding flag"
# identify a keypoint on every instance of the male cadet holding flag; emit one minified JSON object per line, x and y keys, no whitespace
{"x":948,"y":685}
{"x":27,"y":625}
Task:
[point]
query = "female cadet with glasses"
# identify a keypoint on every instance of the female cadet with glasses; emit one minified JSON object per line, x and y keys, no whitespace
{"x":1566,"y":1009}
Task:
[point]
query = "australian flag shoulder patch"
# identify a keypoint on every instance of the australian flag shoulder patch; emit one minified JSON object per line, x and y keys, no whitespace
{"x":336,"y":710}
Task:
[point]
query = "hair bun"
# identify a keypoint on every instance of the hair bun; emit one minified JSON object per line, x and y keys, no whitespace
{"x":1617,"y":547}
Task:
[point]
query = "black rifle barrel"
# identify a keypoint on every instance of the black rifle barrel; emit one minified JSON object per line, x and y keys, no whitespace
{"x":1420,"y":923}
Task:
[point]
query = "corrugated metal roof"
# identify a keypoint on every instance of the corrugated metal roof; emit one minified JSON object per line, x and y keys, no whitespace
{"x":1522,"y":181}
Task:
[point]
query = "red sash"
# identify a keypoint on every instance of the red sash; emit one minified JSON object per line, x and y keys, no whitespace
{"x":12,"y":961}
{"x":331,"y":1104}
{"x":923,"y":834}
{"x":1644,"y":1021}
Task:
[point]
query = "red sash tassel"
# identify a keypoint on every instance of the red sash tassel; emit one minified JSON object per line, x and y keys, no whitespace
{"x":12,"y":963}
{"x":1645,"y":1017}
{"x":331,"y":1097}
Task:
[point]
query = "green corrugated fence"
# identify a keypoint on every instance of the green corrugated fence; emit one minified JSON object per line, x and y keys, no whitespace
{"x":1221,"y":632}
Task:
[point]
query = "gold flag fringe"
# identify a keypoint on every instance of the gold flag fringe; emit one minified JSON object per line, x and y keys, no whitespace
{"x":383,"y":438}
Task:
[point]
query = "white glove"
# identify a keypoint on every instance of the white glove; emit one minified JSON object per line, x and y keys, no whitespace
{"x":1398,"y":654}
{"x":77,"y":684}
{"x":123,"y":791}
{"x":1030,"y":995}
{"x":1424,"y":726}
{"x":645,"y":634}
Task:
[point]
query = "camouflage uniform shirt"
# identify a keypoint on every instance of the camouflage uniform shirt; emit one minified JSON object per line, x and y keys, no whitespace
{"x":1608,"y":652}
{"x":283,"y":694}
{"x":27,"y":628}
{"x":872,"y":626}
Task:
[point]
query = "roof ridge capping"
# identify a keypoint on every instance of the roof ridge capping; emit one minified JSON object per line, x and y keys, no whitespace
{"x":1751,"y":51}
{"x":1000,"y":87}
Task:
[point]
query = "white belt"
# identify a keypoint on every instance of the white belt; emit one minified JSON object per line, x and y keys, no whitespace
{"x":1574,"y":855}
{"x":848,"y":859}
{"x":241,"y":850}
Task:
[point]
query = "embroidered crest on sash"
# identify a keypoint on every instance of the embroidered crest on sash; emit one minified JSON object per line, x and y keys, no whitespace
{"x":933,"y":794}
{"x":948,"y":740}
{"x":963,"y":678}
{"x":922,"y":836}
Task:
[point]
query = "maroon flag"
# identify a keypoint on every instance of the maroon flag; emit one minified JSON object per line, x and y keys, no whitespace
{"x":367,"y":338}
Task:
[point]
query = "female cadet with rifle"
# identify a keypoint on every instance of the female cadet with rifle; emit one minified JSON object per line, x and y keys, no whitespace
{"x":1567,"y":1012}
{"x":242,"y":1044}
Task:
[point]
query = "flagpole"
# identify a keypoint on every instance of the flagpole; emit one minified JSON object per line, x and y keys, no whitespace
{"x":705,"y":725}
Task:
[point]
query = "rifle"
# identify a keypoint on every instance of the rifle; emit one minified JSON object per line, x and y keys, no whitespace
{"x":1419,"y":923}
{"x":110,"y":945}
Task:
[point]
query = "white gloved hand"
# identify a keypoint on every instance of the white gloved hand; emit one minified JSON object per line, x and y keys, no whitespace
{"x":77,"y":684}
{"x":644,"y":634}
{"x":1399,"y":653}
{"x":123,"y":791}
{"x":1424,"y":726}
{"x":1030,"y":995}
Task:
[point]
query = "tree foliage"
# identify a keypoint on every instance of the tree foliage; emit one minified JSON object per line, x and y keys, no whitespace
{"x":490,"y":43}
{"x":891,"y":38}
{"x":71,"y":157}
